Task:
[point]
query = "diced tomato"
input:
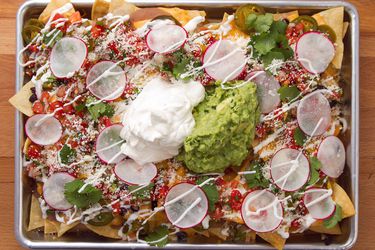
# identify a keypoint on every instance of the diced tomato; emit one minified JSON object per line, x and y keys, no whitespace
{"x":38,"y":108}
{"x":55,"y":105}
{"x":235,"y":200}
{"x":220,"y":182}
{"x":260,"y":130}
{"x":34,"y":151}
{"x":96,"y":31}
{"x":112,"y":46}
{"x":295,"y":224}
{"x":57,"y":16}
{"x":105,"y":121}
{"x":44,"y":97}
{"x":68,"y":109}
{"x":116,"y":207}
{"x":75,"y":17}
{"x":163,"y":191}
{"x":33,"y":48}
{"x":299,"y":27}
{"x":218,"y":213}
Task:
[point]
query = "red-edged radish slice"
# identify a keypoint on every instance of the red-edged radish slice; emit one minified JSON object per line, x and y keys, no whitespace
{"x":267,"y":87}
{"x":67,"y":56}
{"x":319,"y":203}
{"x":262,"y":211}
{"x":224,"y":60}
{"x":108,"y":144}
{"x":106,"y":80}
{"x":331,"y":154}
{"x":43,"y":129}
{"x":134,"y":174}
{"x":54,"y":188}
{"x":314,"y":51}
{"x":166,"y":38}
{"x":314,"y":114}
{"x":290,"y":169}
{"x":186,"y":205}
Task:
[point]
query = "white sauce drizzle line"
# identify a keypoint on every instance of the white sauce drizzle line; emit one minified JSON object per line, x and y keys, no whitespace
{"x":110,"y":146}
{"x":320,"y":198}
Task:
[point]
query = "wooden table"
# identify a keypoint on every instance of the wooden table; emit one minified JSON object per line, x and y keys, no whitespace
{"x":366,"y":8}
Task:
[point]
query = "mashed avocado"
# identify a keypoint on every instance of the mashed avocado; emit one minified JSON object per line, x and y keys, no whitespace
{"x":224,"y":129}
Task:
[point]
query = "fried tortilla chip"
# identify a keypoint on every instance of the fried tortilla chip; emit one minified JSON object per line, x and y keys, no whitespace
{"x":335,"y":19}
{"x":250,"y":236}
{"x":26,"y":145}
{"x":217,"y":231}
{"x":274,"y":239}
{"x":341,"y":197}
{"x":290,"y":16}
{"x":345,"y":29}
{"x":121,"y":8}
{"x":21,"y":100}
{"x":106,"y":231}
{"x":99,"y":9}
{"x":144,"y":15}
{"x":319,"y":227}
{"x":51,"y":227}
{"x":63,"y":228}
{"x":36,"y":218}
{"x":235,"y":33}
{"x":54,"y":5}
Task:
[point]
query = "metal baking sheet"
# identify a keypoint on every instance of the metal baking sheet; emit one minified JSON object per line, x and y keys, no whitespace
{"x":214,"y":9}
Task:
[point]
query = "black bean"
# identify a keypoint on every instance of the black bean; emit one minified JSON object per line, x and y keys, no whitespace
{"x":33,"y":98}
{"x":123,"y":211}
{"x":327,"y":240}
{"x":134,"y":208}
{"x":154,"y":204}
{"x":181,"y":236}
{"x":32,"y":90}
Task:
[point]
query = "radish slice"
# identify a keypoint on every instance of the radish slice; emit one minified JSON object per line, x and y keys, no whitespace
{"x":314,"y":51}
{"x":331,"y":154}
{"x":314,"y":113}
{"x":224,"y":60}
{"x":43,"y":129}
{"x":186,"y":205}
{"x":106,"y":80}
{"x":319,"y":203}
{"x":166,"y":38}
{"x":267,"y":87}
{"x":54,"y":188}
{"x":290,"y":169}
{"x":67,"y":56}
{"x":108,"y":144}
{"x":134,"y":174}
{"x":262,"y":211}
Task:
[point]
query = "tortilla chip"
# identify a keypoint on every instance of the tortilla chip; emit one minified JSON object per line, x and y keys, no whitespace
{"x":235,"y":33}
{"x":335,"y":19}
{"x":106,"y":231}
{"x":26,"y":145}
{"x":217,"y":231}
{"x":341,"y":198}
{"x":290,"y":16}
{"x":36,"y":218}
{"x":52,"y":6}
{"x":274,"y":239}
{"x":121,"y":8}
{"x":63,"y":228}
{"x":51,"y":227}
{"x":100,"y":8}
{"x":21,"y":100}
{"x":250,"y":236}
{"x":183,"y":16}
{"x":319,"y":227}
{"x":345,"y":29}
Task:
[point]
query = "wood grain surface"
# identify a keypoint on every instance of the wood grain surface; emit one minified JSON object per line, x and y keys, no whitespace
{"x":366,"y":8}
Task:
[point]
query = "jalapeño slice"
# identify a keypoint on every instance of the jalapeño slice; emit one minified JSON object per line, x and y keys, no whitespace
{"x":309,"y":23}
{"x":329,"y":31}
{"x":102,"y":219}
{"x":242,"y":13}
{"x":29,"y":32}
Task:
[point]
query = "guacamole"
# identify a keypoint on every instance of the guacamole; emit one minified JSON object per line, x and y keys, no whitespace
{"x":224,"y":129}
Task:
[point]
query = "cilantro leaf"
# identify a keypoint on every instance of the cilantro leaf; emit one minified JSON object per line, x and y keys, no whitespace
{"x":180,"y":68}
{"x":99,"y":109}
{"x":89,"y":196}
{"x":142,"y":193}
{"x":67,"y":154}
{"x":263,"y":43}
{"x":80,"y":107}
{"x":256,"y":179}
{"x":272,"y":55}
{"x":159,"y":236}
{"x":278,"y":27}
{"x":299,"y":137}
{"x":56,"y":36}
{"x":315,"y":165}
{"x":259,"y":23}
{"x":334,"y":219}
{"x":210,"y":189}
{"x":288,"y":93}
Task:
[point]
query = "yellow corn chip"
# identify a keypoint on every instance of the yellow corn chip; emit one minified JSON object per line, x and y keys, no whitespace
{"x":52,"y":6}
{"x":318,"y":227}
{"x":21,"y":100}
{"x":51,"y":227}
{"x":106,"y":231}
{"x":63,"y":228}
{"x":341,"y":197}
{"x":100,"y":8}
{"x":287,"y":15}
{"x":36,"y":218}
{"x":274,"y":239}
{"x":121,"y":7}
{"x":335,"y":19}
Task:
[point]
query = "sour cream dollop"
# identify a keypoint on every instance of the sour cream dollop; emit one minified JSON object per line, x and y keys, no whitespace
{"x":159,"y":119}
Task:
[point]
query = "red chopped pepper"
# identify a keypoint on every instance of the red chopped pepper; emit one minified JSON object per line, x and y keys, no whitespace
{"x":33,"y":151}
{"x":38,"y":107}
